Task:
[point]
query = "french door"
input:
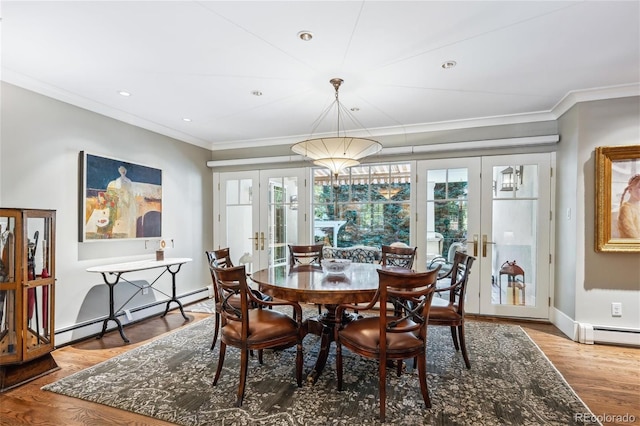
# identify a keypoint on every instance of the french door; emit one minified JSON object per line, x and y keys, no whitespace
{"x":257,"y":213}
{"x":498,"y":209}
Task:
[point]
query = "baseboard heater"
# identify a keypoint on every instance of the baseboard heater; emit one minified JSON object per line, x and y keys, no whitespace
{"x":81,"y":331}
{"x":589,"y":334}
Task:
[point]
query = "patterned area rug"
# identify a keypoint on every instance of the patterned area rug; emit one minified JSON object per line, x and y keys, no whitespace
{"x":510,"y":382}
{"x":205,"y":307}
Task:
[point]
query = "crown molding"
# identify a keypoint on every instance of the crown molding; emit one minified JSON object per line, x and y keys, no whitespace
{"x":407,"y":150}
{"x":597,"y":94}
{"x":568,"y":101}
{"x":55,"y":93}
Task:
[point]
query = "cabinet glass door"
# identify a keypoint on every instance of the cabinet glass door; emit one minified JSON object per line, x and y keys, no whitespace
{"x":9,"y":264}
{"x":39,"y":291}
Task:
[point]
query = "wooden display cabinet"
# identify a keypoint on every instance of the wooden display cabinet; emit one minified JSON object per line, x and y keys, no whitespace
{"x":27,"y":295}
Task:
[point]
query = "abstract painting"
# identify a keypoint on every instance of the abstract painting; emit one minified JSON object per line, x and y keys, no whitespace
{"x":119,"y":199}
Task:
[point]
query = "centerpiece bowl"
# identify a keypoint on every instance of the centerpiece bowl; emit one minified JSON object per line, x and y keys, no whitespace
{"x":336,"y":266}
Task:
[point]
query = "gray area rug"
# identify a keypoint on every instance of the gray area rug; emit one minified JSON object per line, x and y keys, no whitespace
{"x":510,"y":383}
{"x":205,"y":307}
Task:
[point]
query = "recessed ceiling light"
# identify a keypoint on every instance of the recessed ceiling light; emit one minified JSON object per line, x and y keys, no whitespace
{"x":305,"y":35}
{"x":449,"y":64}
{"x":188,"y":120}
{"x":124,"y":93}
{"x":256,"y":93}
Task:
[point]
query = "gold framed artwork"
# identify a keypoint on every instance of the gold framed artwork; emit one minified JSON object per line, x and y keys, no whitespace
{"x":119,"y":199}
{"x":618,"y":198}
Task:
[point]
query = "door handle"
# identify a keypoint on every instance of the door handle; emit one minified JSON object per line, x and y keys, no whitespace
{"x":484,"y":245}
{"x":255,"y":240}
{"x":261,"y":240}
{"x":475,"y":245}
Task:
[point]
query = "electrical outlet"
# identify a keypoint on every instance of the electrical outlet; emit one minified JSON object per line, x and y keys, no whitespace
{"x":145,"y":290}
{"x":616,"y":309}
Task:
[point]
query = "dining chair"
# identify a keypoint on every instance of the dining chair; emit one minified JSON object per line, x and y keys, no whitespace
{"x":309,"y":256}
{"x":389,"y":336}
{"x":300,"y":255}
{"x":451,"y":312}
{"x":221,"y":259}
{"x":402,"y":257}
{"x":254,"y":329}
{"x":399,"y":256}
{"x":447,"y":262}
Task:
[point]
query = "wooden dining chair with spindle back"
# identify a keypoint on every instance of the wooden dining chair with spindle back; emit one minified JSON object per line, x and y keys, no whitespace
{"x":305,"y":257}
{"x":401,"y":257}
{"x":253,"y":329}
{"x":398,"y":256}
{"x":450,"y":312}
{"x":389,"y":336}
{"x":221,"y":259}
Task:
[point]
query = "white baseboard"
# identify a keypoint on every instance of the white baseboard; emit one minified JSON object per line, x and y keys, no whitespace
{"x":81,"y":331}
{"x":591,"y":333}
{"x":616,"y":336}
{"x":565,"y":324}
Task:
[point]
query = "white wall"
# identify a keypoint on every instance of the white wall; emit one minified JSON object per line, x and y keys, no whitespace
{"x":41,"y":139}
{"x":600,"y":278}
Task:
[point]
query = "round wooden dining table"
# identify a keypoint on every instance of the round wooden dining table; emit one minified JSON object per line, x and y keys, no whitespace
{"x":310,"y":284}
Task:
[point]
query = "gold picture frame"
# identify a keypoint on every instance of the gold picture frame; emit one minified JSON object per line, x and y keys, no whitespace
{"x":616,"y":170}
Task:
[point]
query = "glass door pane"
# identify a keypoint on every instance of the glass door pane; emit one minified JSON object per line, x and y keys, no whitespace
{"x":236,"y":213}
{"x":515,"y":236}
{"x":448,"y":200}
{"x":258,"y":213}
{"x":282,"y":217}
{"x":496,"y":209}
{"x":447,"y":205}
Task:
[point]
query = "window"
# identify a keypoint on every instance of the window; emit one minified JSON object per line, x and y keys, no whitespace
{"x":364,"y":205}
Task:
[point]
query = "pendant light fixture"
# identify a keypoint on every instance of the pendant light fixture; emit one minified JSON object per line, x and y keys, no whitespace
{"x":339,"y":152}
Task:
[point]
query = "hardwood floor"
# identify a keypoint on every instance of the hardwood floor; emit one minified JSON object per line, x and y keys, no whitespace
{"x":606,"y":378}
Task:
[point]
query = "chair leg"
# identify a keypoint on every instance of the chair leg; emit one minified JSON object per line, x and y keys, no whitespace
{"x":260,"y":356}
{"x":455,"y":338}
{"x":244,"y":366}
{"x":382,"y":387}
{"x":299,"y":361}
{"x":422,"y":375}
{"x":339,"y":365}
{"x":215,"y":331}
{"x":463,"y":345}
{"x":223,"y":350}
{"x":399,"y":367}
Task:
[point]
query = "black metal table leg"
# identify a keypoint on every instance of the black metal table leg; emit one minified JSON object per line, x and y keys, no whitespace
{"x":173,"y":292}
{"x":112,"y":314}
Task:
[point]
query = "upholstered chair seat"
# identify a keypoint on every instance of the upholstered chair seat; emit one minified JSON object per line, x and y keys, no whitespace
{"x":264,"y":325}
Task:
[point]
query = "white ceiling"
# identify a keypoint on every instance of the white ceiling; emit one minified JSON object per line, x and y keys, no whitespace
{"x":203,"y":60}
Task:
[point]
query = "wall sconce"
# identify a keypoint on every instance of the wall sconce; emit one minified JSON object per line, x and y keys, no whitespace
{"x":510,"y":177}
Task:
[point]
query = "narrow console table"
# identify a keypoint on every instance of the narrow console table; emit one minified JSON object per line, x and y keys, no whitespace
{"x":117,"y":270}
